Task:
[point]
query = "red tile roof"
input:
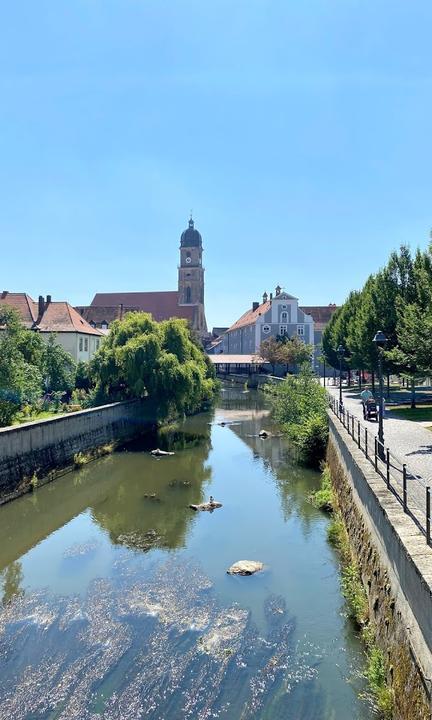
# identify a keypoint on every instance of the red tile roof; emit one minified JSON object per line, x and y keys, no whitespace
{"x":98,"y":315}
{"x":321,"y":314}
{"x":62,"y":317}
{"x":27,"y":308}
{"x":57,"y":316}
{"x":249,"y":317}
{"x":161,"y":305}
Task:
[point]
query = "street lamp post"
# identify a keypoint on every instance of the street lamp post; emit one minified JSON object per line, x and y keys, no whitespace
{"x":380,"y":341}
{"x":340,"y":353}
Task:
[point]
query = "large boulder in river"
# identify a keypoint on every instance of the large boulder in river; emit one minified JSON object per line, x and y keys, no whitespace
{"x":245,"y":567}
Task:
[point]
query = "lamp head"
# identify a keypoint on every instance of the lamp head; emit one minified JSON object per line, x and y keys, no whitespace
{"x":380,"y":339}
{"x":340,"y":351}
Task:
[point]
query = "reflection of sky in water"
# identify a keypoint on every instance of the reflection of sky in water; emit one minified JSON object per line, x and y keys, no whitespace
{"x":76,"y":538}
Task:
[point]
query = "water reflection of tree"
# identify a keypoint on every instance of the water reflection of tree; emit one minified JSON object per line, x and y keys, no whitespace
{"x":11,"y":578}
{"x":238,"y":398}
{"x":128,"y":515}
{"x":294,"y":483}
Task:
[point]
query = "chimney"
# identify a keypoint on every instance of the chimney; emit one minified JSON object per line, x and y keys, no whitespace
{"x":121,"y":310}
{"x":41,"y":307}
{"x":4,"y":293}
{"x":48,"y":299}
{"x":265,"y":297}
{"x":255,"y":306}
{"x":271,"y":297}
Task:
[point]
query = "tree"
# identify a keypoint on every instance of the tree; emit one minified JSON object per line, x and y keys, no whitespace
{"x":293,"y":351}
{"x":270,"y":350}
{"x":20,"y":382}
{"x":58,"y":368}
{"x":161,"y":361}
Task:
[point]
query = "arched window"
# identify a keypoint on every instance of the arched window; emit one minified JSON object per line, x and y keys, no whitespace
{"x":188,"y":295}
{"x":284,"y":317}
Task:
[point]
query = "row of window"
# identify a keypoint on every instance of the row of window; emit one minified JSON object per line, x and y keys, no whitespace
{"x":84,"y":344}
{"x":283,"y":330}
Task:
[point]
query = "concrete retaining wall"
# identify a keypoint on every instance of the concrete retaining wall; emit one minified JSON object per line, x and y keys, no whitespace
{"x":396,"y":567}
{"x":39,"y":448}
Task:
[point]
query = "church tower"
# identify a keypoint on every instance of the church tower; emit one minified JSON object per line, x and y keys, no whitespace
{"x":191,"y":276}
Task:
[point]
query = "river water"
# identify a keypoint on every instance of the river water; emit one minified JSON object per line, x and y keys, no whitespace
{"x":117,"y":605}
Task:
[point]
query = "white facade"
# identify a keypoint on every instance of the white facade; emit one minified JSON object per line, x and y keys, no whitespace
{"x":279,"y":315}
{"x":81,"y":346}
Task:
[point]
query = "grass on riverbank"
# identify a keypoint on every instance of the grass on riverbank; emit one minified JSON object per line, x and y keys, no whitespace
{"x":356,"y":598}
{"x":323,"y":498}
{"x":83,"y":458}
{"x":36,"y":417}
{"x":422,"y":413}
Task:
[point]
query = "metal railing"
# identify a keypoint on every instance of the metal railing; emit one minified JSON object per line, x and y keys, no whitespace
{"x":410,"y":489}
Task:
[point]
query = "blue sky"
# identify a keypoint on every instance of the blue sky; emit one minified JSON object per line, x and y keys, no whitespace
{"x":299,"y":133}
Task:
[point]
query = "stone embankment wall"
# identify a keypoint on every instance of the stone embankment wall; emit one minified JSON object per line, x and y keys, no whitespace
{"x":44,"y":449}
{"x":396,"y":567}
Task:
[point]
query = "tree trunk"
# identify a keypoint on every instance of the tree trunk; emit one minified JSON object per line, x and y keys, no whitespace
{"x":413,"y":393}
{"x":373,"y":382}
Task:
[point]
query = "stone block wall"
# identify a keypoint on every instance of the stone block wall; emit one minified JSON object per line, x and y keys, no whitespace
{"x":47,"y":447}
{"x":396,"y":569}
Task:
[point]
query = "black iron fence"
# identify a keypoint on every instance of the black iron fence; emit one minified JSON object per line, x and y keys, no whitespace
{"x":410,"y":489}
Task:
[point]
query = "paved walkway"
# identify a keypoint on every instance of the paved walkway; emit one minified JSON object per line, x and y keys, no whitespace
{"x":407,"y":440}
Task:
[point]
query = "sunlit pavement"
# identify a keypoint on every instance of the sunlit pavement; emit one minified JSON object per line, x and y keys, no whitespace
{"x":408,"y":440}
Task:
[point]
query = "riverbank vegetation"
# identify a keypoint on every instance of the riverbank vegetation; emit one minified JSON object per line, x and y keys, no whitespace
{"x":35,"y":374}
{"x":139,"y":358}
{"x":398,"y":301}
{"x":286,"y":351}
{"x":300,"y":407}
{"x":356,"y":599}
{"x":160,"y":361}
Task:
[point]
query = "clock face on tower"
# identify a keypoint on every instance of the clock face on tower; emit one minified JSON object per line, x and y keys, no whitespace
{"x":188,"y":259}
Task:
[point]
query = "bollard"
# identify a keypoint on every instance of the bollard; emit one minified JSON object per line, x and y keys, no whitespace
{"x":352,"y":428}
{"x":404,"y":485}
{"x":366,"y":443}
{"x":358,"y":432}
{"x":376,"y":454}
{"x":428,"y":519}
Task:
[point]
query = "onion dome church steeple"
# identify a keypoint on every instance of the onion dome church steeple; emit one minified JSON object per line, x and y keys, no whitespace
{"x":191,"y":274}
{"x":191,"y":237}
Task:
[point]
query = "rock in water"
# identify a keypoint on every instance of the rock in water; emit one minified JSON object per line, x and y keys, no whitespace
{"x":207,"y":506}
{"x":245,"y":567}
{"x":160,"y":453}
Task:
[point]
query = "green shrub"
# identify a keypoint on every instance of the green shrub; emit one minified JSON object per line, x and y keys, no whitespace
{"x":324,"y":497}
{"x":300,"y":406}
{"x":310,"y":438}
{"x":376,"y":674}
{"x":355,"y":594}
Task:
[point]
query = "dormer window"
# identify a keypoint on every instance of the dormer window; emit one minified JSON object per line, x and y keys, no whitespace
{"x":104,"y":325}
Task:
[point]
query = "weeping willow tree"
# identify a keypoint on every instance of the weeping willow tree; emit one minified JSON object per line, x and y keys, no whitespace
{"x":143,"y":358}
